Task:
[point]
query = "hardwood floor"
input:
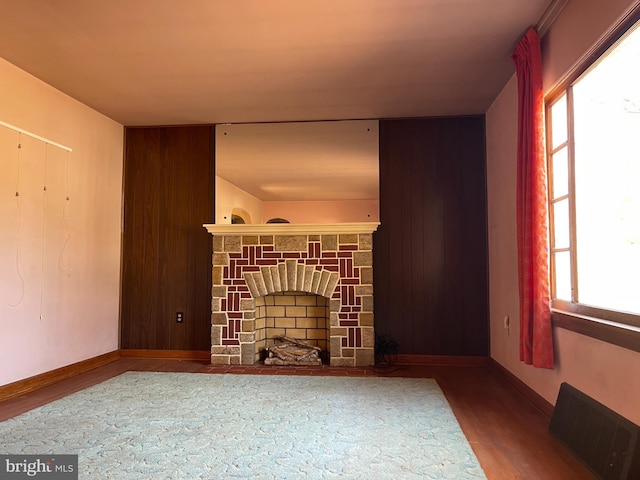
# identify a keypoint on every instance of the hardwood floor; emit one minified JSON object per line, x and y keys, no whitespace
{"x":507,"y":433}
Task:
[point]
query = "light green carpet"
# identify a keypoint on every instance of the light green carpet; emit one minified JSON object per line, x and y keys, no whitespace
{"x":143,"y":425}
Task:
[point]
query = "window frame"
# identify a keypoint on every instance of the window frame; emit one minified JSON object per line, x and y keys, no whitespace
{"x":619,"y":328}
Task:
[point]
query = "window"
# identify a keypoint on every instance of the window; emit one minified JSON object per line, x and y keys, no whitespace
{"x":593,"y":151}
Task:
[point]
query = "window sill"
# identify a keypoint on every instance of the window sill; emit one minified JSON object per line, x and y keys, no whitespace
{"x":626,"y":336}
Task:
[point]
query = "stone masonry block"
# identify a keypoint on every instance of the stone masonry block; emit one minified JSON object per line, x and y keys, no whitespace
{"x":247,"y":304}
{"x":275,"y":278}
{"x":282,"y":277}
{"x":365,"y":357}
{"x":219,"y":319}
{"x":339,"y":332}
{"x":248,"y":354}
{"x":233,"y":243}
{"x":217,"y":275}
{"x":260,"y":285}
{"x":251,"y":285}
{"x":334,"y":278}
{"x":342,"y":362}
{"x":308,"y":278}
{"x":248,"y":325}
{"x":265,"y":272}
{"x":216,"y":335}
{"x":365,"y":241}
{"x":367,"y":303}
{"x":220,"y":259}
{"x":291,"y":243}
{"x":220,"y":359}
{"x":366,"y":319}
{"x":325,"y":275}
{"x":334,"y":305}
{"x":366,"y":275}
{"x":218,"y":243}
{"x":329,"y":242}
{"x":362,"y":259}
{"x":335,"y":346}
{"x":226,"y":350}
{"x":215,"y":305}
{"x":300,"y":271}
{"x":364,"y":290}
{"x":348,"y":239}
{"x":250,"y":240}
{"x":292,"y":274}
{"x":315,"y":284}
{"x":247,"y":337}
{"x":219,"y":291}
{"x":368,"y":337}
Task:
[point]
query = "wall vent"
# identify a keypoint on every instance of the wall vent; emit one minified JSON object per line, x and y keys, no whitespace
{"x":607,"y":443}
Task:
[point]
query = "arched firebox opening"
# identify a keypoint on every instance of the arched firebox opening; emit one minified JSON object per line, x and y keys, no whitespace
{"x":299,"y":315}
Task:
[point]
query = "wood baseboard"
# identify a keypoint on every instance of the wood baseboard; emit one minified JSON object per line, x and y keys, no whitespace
{"x":47,"y":378}
{"x":530,"y":394}
{"x":166,"y":354}
{"x":442,"y":360}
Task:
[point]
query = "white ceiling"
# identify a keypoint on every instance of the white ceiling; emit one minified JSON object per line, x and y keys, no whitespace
{"x":169,"y":62}
{"x":177,"y":62}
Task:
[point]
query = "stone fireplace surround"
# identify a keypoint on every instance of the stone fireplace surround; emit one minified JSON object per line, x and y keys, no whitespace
{"x":334,"y":261}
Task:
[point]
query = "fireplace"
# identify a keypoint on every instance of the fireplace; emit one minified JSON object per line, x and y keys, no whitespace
{"x":252,"y":264}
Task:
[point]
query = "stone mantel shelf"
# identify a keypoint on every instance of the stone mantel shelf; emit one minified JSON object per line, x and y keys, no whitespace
{"x":291,"y":228}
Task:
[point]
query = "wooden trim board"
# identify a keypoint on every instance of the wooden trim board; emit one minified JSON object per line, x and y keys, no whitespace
{"x":538,"y":401}
{"x":448,"y":360}
{"x":166,"y":354}
{"x":30,"y":384}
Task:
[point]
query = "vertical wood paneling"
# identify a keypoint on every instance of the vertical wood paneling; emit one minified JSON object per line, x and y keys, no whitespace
{"x":168,"y":195}
{"x":430,"y":252}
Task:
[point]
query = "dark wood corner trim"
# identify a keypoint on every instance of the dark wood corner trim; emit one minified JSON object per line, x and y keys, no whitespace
{"x":47,"y":378}
{"x":627,"y":336}
{"x":531,"y":395}
{"x":442,"y":360}
{"x":166,"y":354}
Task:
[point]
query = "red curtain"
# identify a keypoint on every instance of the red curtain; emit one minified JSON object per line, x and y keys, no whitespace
{"x":536,"y":341}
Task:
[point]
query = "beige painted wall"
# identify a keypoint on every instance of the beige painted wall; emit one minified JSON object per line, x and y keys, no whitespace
{"x":59,"y":259}
{"x":608,"y":373}
{"x":580,"y":26}
{"x":228,"y":197}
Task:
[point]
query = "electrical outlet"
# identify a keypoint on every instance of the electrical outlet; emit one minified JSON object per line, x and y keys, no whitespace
{"x":179,"y":317}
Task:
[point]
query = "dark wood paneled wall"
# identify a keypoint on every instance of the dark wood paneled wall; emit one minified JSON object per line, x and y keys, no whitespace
{"x":430,"y":252}
{"x":168,"y":195}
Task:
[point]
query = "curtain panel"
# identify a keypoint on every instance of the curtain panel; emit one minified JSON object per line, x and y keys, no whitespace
{"x":536,"y":336}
